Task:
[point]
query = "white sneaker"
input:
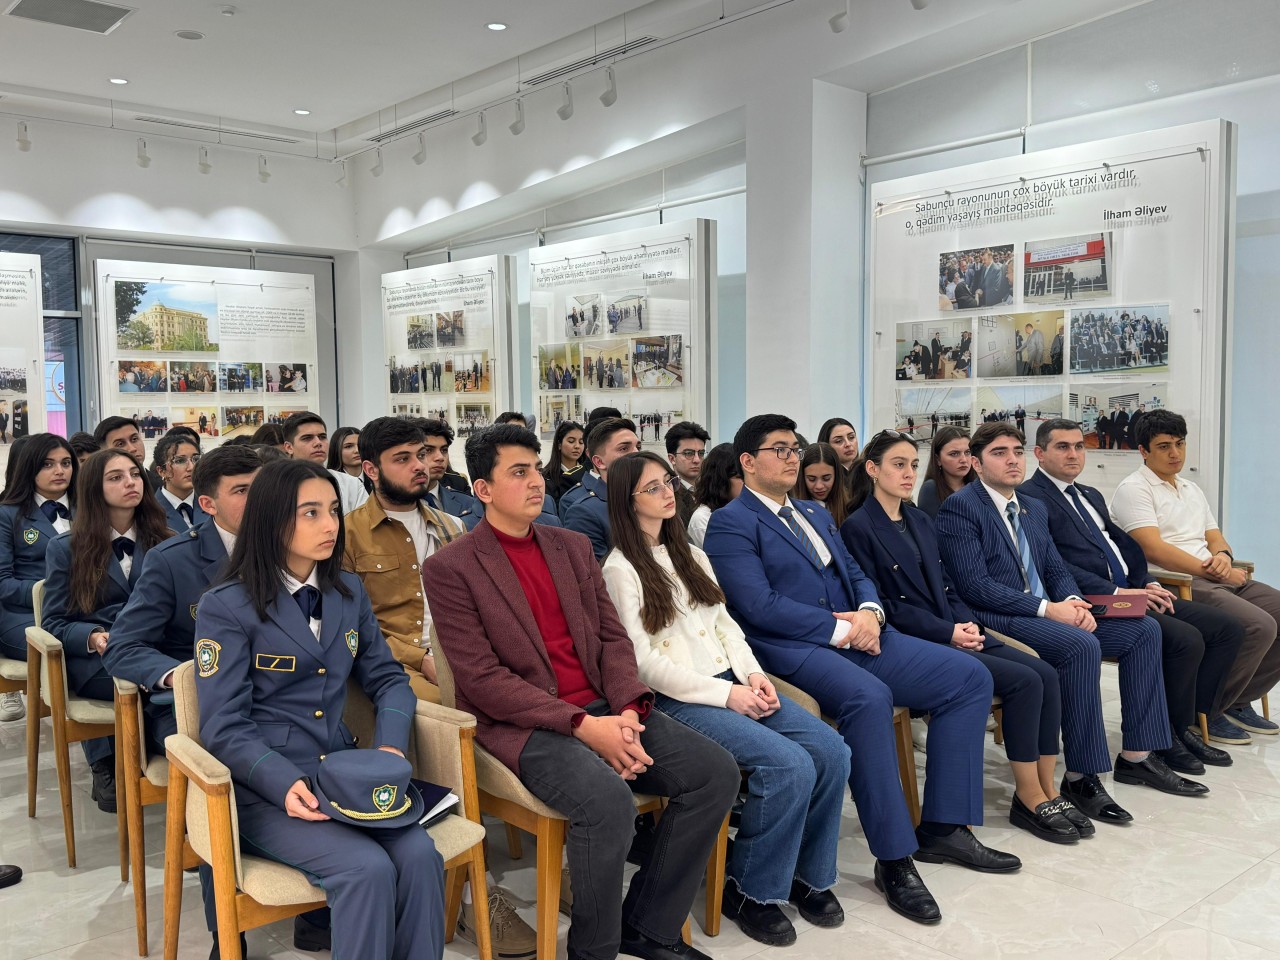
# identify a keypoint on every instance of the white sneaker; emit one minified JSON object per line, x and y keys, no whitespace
{"x":11,"y":707}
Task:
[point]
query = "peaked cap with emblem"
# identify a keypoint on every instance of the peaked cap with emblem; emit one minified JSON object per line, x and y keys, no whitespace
{"x":368,"y":788}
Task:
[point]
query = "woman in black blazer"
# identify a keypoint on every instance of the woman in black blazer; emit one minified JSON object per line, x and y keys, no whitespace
{"x":894,"y":543}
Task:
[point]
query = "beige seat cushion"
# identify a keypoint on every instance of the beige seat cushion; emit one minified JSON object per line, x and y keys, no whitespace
{"x":455,"y":835}
{"x":274,"y":884}
{"x":90,"y":711}
{"x":157,"y":771}
{"x":13,"y":669}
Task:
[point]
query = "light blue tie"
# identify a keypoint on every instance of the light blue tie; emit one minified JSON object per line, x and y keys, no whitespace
{"x":789,"y":519}
{"x":1029,"y":574}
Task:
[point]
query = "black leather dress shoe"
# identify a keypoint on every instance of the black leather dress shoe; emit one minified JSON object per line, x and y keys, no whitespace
{"x":1084,"y":826}
{"x":1177,"y":757}
{"x":638,"y":945}
{"x":819,"y":907}
{"x":216,"y":954}
{"x":1154,"y":773}
{"x":1091,"y":797}
{"x":104,"y":784}
{"x":905,"y":892}
{"x":1046,"y":821}
{"x":760,"y":921}
{"x":9,"y":875}
{"x":310,"y":938}
{"x":1207,"y":752}
{"x":962,"y":848}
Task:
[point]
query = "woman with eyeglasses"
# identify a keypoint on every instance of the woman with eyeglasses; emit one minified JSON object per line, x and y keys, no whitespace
{"x":568,"y":458}
{"x":90,"y":573}
{"x":950,"y":468}
{"x":896,"y":547}
{"x":843,"y":437}
{"x":822,"y":479}
{"x":697,"y":661}
{"x":174,"y":461}
{"x":719,"y":483}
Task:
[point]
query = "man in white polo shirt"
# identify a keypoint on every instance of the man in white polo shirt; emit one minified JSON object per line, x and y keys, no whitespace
{"x":1173,"y":523}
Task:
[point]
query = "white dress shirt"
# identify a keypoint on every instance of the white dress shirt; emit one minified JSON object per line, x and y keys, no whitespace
{"x":697,"y":528}
{"x":62,"y":524}
{"x":350,"y":490}
{"x":126,"y":564}
{"x":190,"y":501}
{"x":1178,"y":510}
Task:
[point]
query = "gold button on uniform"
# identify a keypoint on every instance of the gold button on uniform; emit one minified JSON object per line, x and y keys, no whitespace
{"x":319,"y":714}
{"x":323,"y":755}
{"x":322,"y":671}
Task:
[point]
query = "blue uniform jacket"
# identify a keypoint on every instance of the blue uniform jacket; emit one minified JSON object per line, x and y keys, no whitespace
{"x":173,"y":516}
{"x":470,"y":510}
{"x":272,"y":696}
{"x":23,"y":541}
{"x":73,"y":627}
{"x":772,"y":587}
{"x":589,"y":514}
{"x":155,"y":632}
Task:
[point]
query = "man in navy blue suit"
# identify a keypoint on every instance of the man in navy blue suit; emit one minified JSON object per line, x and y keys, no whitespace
{"x":812,"y":617}
{"x":1200,"y":643}
{"x":999,"y":553}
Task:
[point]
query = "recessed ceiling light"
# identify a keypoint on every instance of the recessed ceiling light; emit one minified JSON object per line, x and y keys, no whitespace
{"x":303,"y":113}
{"x":496,"y":26}
{"x":189,"y":35}
{"x":121,"y":81}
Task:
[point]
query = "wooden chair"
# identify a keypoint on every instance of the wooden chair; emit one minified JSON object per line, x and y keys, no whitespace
{"x":502,"y":795}
{"x":74,"y":719}
{"x":250,"y":891}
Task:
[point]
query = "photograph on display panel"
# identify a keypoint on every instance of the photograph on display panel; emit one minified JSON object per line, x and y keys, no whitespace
{"x":626,"y":314}
{"x":240,"y":377}
{"x":934,"y":350}
{"x":241,"y":421}
{"x":406,"y":411}
{"x":404,"y":376}
{"x":17,"y":411}
{"x":286,"y":377}
{"x":420,"y":332}
{"x":437,"y":413}
{"x":657,"y":362}
{"x":13,"y":371}
{"x":653,"y":421}
{"x":203,"y":420}
{"x":451,"y":329}
{"x":1107,"y":411}
{"x":187,"y":376}
{"x":1120,"y":339}
{"x":181,"y":317}
{"x":1020,"y":344}
{"x":922,"y":411}
{"x":559,"y":366}
{"x":555,"y":408}
{"x":976,"y":278}
{"x":142,"y":376}
{"x":471,"y":372}
{"x":437,"y":373}
{"x":582,"y":315}
{"x":152,"y":421}
{"x":472,"y":417}
{"x":278,"y":417}
{"x":1067,"y":268}
{"x":1025,"y":406}
{"x":606,"y":364}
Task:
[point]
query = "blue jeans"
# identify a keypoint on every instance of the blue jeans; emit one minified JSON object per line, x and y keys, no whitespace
{"x":797,"y":769}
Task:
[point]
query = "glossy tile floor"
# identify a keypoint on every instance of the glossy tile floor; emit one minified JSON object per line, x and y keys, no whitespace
{"x":1189,"y":879}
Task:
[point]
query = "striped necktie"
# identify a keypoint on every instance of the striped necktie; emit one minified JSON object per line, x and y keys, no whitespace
{"x":785,"y":513}
{"x":1029,"y":574}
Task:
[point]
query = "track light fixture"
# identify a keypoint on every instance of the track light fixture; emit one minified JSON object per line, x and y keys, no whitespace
{"x":919,"y":4}
{"x":482,"y":131}
{"x":421,"y":156}
{"x":610,"y":95}
{"x":24,"y":138}
{"x":517,"y":126}
{"x":565,"y":110}
{"x":840,"y":22}
{"x":263,"y":173}
{"x":377,"y":167}
{"x":144,"y":160}
{"x":202,"y":160}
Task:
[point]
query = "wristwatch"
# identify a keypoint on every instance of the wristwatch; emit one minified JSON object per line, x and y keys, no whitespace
{"x":879,"y":615}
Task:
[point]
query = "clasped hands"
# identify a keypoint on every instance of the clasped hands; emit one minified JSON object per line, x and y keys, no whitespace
{"x":864,"y":631}
{"x":757,"y":699}
{"x":1159,"y":600}
{"x":617,"y":741}
{"x":1219,"y":569}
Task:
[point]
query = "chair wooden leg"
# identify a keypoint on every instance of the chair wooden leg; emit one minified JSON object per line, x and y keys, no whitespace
{"x":62,"y":760}
{"x":454,"y":880}
{"x":174,"y":835}
{"x":224,"y":878}
{"x":480,"y":901}
{"x":686,"y":932}
{"x":137,"y":861}
{"x":550,"y":838}
{"x":907,"y":764}
{"x":515,"y":843}
{"x":122,"y":820}
{"x":998,"y":713}
{"x":1266,"y":708}
{"x":34,"y":713}
{"x":1203,"y":720}
{"x":715,"y":881}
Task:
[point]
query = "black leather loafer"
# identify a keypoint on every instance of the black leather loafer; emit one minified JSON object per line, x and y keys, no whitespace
{"x":819,"y":907}
{"x":104,"y":784}
{"x":962,"y":848}
{"x":764,"y":922}
{"x":638,"y":945}
{"x":905,"y":892}
{"x":1089,"y":795}
{"x":310,"y":938}
{"x":1208,"y":754}
{"x":1084,"y":826}
{"x":9,"y":875}
{"x":1046,"y":821}
{"x":1154,"y":773}
{"x":1177,"y":757}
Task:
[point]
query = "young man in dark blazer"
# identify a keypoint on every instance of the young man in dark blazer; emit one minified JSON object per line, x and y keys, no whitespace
{"x":1199,"y":644}
{"x":542,"y":661}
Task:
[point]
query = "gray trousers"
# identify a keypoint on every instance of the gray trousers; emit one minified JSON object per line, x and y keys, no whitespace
{"x":1257,"y":606}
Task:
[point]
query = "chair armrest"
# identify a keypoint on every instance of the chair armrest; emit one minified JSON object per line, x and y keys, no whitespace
{"x":1246,"y":565}
{"x":448,"y":715}
{"x":1014,"y":644}
{"x":198,"y":765}
{"x":126,"y":688}
{"x":1169,"y":576}
{"x":45,"y":642}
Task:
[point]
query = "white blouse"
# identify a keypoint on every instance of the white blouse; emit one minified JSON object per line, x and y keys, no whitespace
{"x":697,"y":526}
{"x":683,"y":659}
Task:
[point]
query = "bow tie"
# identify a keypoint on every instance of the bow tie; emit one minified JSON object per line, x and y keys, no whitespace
{"x":53,"y":510}
{"x":185,"y":510}
{"x":309,"y":601}
{"x":122,"y":545}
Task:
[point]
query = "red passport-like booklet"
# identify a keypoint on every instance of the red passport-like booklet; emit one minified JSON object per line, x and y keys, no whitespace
{"x":1118,"y":605}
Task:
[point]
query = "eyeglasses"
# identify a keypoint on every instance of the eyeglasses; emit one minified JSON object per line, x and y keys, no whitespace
{"x":657,"y":489}
{"x":784,"y":453}
{"x":691,"y":454}
{"x":182,"y":461}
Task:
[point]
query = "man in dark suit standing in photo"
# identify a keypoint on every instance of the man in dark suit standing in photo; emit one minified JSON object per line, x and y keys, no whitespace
{"x":997,"y":548}
{"x":987,"y":280}
{"x":935,"y":349}
{"x":541,"y":659}
{"x":1199,"y":643}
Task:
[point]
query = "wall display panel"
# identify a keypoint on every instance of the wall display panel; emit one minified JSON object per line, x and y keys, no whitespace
{"x":446,"y":329}
{"x":222,"y":350}
{"x":623,"y":321}
{"x":1070,"y":269}
{"x":22,"y":367}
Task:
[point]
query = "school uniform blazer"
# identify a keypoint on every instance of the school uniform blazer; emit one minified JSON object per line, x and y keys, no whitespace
{"x":155,"y":632}
{"x":24,"y":539}
{"x":918,"y":598}
{"x":982,"y":558}
{"x":73,"y":627}
{"x":470,"y":509}
{"x":1081,"y":553}
{"x":272,"y":695}
{"x":174,"y":517}
{"x":500,"y":665}
{"x":589,"y":515}
{"x":773,"y":589}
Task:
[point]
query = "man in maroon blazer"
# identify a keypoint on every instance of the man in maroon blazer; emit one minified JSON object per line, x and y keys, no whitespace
{"x":539,"y":656}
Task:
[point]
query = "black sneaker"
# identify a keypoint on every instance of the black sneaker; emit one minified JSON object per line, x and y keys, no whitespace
{"x":104,"y":784}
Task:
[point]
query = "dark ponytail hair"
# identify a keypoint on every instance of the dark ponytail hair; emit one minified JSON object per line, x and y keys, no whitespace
{"x":860,"y":484}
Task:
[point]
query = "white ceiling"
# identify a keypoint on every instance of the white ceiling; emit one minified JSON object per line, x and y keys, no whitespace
{"x":340,"y":59}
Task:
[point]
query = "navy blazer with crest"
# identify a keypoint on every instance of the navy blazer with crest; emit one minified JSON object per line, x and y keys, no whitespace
{"x":173,"y":516}
{"x":918,"y":598}
{"x":773,"y":589}
{"x":272,"y":695}
{"x":74,"y":627}
{"x":24,"y":538}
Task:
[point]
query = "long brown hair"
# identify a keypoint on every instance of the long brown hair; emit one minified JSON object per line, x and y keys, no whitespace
{"x":657,"y":588}
{"x":934,"y":472}
{"x":91,"y":533}
{"x":837,"y":502}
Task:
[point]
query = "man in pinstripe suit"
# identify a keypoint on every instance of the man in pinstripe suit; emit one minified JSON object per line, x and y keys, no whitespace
{"x":998,"y":551}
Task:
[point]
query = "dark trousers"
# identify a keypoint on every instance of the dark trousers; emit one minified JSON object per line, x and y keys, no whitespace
{"x":1032,"y":702}
{"x":1257,"y":666}
{"x":99,"y":686}
{"x":1198,"y":646}
{"x":701,"y":779}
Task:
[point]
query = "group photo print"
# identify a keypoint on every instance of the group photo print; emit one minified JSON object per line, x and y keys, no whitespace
{"x":142,"y":376}
{"x":922,"y":411}
{"x":559,"y":366}
{"x":557,"y":408}
{"x":451,"y":329}
{"x":976,"y":278}
{"x":1108,"y":412}
{"x":1020,"y":344}
{"x":193,"y":376}
{"x":1024,"y":406}
{"x":606,"y":365}
{"x":934,"y":350}
{"x":404,"y":377}
{"x":1120,"y":339}
{"x":471,"y":373}
{"x":420,"y":332}
{"x":240,"y":377}
{"x":241,"y":421}
{"x":1067,"y":268}
{"x":152,"y":422}
{"x":472,"y":417}
{"x":203,"y":420}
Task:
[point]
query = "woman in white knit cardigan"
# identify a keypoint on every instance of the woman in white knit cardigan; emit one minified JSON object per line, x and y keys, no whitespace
{"x":696,"y":660}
